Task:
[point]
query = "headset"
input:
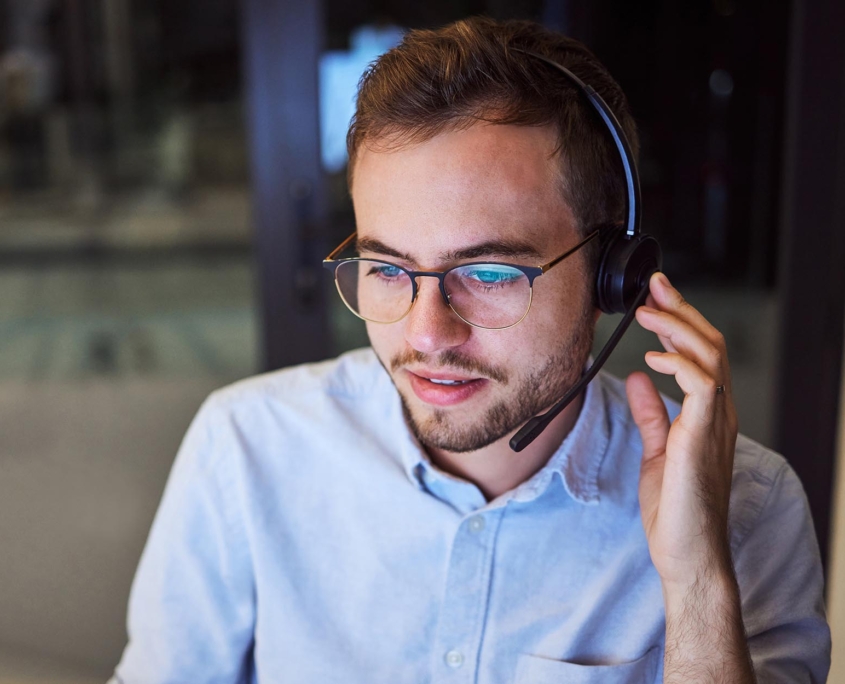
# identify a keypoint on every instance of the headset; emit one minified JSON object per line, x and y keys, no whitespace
{"x":627,"y":261}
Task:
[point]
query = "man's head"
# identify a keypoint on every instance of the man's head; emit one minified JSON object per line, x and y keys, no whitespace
{"x":464,"y":149}
{"x":470,"y":72}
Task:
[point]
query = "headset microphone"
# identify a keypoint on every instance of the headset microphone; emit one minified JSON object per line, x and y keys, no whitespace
{"x":628,"y":259}
{"x":532,"y":429}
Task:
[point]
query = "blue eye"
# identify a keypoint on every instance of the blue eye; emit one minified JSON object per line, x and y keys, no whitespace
{"x":492,"y":274}
{"x":387,"y":271}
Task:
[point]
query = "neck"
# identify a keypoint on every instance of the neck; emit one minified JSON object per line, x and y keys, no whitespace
{"x":496,"y":468}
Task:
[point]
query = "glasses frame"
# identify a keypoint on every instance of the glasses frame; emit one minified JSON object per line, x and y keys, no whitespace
{"x":531,"y":272}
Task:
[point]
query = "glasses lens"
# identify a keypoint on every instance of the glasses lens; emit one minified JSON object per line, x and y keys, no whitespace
{"x":489,"y":295}
{"x":374,"y":290}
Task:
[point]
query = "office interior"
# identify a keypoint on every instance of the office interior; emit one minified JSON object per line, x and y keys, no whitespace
{"x":172,"y":172}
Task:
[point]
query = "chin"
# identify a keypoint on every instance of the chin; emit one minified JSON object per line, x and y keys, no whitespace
{"x":454,"y":431}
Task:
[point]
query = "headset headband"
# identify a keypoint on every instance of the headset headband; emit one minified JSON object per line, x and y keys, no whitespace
{"x":629,"y":164}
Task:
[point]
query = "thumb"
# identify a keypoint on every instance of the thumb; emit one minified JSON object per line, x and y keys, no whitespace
{"x":649,"y":414}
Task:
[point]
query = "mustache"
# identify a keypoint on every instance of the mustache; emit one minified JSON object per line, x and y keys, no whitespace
{"x":448,"y":359}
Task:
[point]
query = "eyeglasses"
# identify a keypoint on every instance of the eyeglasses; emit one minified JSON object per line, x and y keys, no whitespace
{"x":488,"y":295}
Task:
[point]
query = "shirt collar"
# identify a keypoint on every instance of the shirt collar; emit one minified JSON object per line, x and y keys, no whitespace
{"x":577,"y":460}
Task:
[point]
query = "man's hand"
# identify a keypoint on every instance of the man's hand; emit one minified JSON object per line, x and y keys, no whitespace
{"x":684,"y":491}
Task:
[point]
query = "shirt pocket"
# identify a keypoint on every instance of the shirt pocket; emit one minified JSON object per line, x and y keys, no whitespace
{"x":535,"y":670}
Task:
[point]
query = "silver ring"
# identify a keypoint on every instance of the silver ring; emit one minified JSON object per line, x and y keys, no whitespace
{"x":720,"y":389}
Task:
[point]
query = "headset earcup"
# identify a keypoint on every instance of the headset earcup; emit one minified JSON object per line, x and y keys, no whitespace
{"x":625,"y":266}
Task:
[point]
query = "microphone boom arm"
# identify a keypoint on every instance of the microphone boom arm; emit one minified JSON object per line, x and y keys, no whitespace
{"x":532,"y":429}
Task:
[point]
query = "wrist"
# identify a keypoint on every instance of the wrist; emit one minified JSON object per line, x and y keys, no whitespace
{"x":708,"y":588}
{"x":704,"y":630}
{"x":708,"y":568}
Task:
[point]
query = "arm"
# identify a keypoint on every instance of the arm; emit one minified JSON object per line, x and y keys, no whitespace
{"x":191,"y":609}
{"x":779,"y":571}
{"x":780,"y":583}
{"x":705,"y":637}
{"x":685,"y":483}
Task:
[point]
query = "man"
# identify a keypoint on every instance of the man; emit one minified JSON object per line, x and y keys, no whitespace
{"x":365,"y":520}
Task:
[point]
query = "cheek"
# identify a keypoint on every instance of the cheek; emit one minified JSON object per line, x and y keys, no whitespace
{"x":560,"y":303}
{"x":377,"y":334}
{"x":560,"y":310}
{"x":386,"y":340}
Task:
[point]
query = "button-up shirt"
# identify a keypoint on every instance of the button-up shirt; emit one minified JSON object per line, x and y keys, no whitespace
{"x":304,"y":536}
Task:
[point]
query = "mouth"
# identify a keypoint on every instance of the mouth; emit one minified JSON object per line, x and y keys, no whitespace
{"x":444,"y":389}
{"x":447,"y":382}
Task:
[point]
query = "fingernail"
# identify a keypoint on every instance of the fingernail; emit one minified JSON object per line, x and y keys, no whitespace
{"x":664,"y":281}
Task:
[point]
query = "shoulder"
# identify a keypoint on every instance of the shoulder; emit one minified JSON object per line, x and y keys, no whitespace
{"x":304,"y":393}
{"x":352,"y":374}
{"x":764,"y":487}
{"x":297,"y":407}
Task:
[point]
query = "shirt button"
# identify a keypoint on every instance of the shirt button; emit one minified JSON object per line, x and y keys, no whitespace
{"x":454,"y":659}
{"x":476,"y":523}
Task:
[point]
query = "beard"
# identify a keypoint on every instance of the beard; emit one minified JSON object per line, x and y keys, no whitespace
{"x":531,"y":396}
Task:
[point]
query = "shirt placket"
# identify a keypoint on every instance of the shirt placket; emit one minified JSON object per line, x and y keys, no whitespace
{"x":464,"y":609}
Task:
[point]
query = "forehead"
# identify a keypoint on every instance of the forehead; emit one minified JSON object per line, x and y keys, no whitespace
{"x":488,"y":182}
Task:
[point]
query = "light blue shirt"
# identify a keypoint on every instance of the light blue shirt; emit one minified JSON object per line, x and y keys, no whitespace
{"x":304,"y":537}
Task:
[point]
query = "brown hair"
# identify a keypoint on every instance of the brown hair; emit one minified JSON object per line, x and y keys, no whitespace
{"x":435,"y":81}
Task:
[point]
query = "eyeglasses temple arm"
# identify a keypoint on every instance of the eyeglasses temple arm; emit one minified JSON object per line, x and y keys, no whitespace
{"x":555,"y":262}
{"x":343,"y":245}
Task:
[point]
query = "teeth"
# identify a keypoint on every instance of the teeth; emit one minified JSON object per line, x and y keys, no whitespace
{"x":448,"y":382}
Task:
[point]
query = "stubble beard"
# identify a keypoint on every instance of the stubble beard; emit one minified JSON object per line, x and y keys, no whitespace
{"x":532,"y":396}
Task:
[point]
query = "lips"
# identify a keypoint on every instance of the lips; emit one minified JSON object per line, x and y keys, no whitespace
{"x":444,"y":389}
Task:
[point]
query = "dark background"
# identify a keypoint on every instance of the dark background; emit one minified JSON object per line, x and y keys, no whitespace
{"x":164,"y":213}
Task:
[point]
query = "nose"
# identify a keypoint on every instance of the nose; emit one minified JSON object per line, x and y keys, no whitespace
{"x":431,"y":325}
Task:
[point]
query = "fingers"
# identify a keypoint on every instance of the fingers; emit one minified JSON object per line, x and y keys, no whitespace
{"x":695,"y":355}
{"x":683,"y":330}
{"x":649,"y":414}
{"x":651,"y":304}
{"x":669,"y":299}
{"x":677,"y":336}
{"x":699,"y":387}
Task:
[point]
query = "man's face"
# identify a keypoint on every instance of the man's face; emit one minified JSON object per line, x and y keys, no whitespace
{"x":495,"y":188}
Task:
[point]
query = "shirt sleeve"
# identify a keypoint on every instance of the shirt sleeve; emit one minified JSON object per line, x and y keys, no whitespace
{"x":192,"y":604}
{"x":781,"y":584}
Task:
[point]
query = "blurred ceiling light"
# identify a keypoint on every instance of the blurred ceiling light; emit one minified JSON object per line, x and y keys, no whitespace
{"x":339,"y":74}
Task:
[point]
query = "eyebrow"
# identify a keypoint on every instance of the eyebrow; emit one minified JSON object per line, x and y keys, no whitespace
{"x":491,"y":248}
{"x":497,"y":248}
{"x":378,"y":247}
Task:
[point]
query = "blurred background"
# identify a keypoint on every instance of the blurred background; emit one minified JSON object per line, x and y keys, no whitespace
{"x":172,"y":172}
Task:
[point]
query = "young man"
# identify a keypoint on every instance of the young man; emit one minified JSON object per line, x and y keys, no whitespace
{"x":365,"y":520}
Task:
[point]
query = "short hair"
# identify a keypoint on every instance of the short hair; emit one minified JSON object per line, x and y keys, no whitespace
{"x":471,"y":71}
